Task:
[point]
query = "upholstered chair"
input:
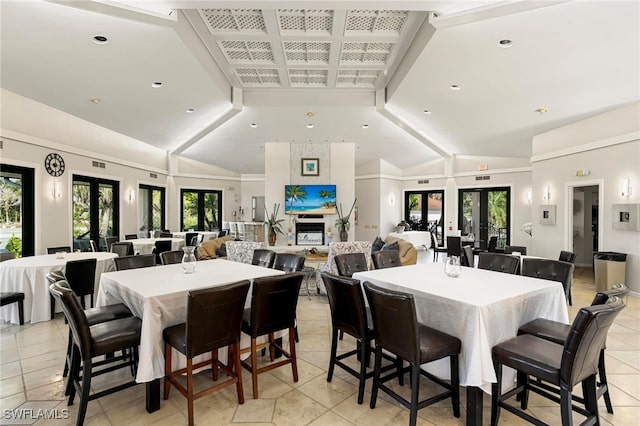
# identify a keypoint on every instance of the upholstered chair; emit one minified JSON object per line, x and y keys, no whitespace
{"x":242,"y":251}
{"x":341,"y":247}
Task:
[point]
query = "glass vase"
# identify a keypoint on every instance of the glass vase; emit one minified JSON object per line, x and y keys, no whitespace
{"x":189,"y":259}
{"x":452,"y":266}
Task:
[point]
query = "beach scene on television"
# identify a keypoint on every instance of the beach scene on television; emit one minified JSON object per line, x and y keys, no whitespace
{"x":310,"y":199}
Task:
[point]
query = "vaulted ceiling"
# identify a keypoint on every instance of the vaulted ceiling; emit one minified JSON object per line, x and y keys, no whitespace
{"x":238,"y":74}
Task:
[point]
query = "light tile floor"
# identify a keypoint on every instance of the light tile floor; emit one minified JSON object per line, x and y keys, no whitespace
{"x":31,"y":361}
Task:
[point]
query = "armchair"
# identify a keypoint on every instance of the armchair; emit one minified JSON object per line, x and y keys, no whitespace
{"x":408,"y":253}
{"x":337,"y":248}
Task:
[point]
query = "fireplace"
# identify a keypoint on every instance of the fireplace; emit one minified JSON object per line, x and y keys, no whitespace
{"x":310,"y":233}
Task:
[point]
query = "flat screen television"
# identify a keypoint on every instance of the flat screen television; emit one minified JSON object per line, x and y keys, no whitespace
{"x":310,"y":199}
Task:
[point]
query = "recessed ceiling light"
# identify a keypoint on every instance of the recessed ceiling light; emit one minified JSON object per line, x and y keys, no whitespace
{"x":100,"y":39}
{"x":189,"y":110}
{"x":96,"y":100}
{"x":541,"y":110}
{"x":156,"y":84}
{"x":309,"y":114}
{"x":455,"y":87}
{"x":427,"y":112}
{"x":310,"y":126}
{"x":505,"y":43}
{"x":365,"y":126}
{"x":253,"y":125}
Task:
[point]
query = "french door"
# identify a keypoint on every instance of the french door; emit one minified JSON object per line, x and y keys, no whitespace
{"x":17,"y":210}
{"x":200,"y":209}
{"x":485,"y":213}
{"x":151,"y":208}
{"x":424,"y":210}
{"x":95,"y":211}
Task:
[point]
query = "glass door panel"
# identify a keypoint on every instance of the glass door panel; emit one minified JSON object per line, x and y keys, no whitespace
{"x":17,"y":227}
{"x":189,"y":210}
{"x":95,"y":209}
{"x":210,"y":211}
{"x":81,"y":216}
{"x":424,"y":211}
{"x":484,"y":213}
{"x":151,"y":209}
{"x":201,"y":209}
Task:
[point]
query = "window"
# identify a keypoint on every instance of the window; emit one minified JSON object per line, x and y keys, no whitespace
{"x":17,"y":211}
{"x":200,"y":209}
{"x":424,"y":210}
{"x":95,"y":211}
{"x":485,"y":213}
{"x":151,"y":208}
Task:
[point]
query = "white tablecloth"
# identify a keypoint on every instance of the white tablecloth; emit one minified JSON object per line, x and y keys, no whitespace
{"x":482,"y":308}
{"x":208,"y":235}
{"x":27,"y":275}
{"x":417,"y":238}
{"x":158,"y":295}
{"x":146,"y":245}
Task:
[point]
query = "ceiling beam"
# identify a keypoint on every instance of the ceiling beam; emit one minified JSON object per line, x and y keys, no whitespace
{"x":120,"y":10}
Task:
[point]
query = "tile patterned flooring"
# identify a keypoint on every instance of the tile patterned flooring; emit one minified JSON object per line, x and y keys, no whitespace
{"x":31,"y":361}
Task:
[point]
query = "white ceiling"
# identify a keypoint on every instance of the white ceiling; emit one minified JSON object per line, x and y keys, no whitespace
{"x":286,"y":59}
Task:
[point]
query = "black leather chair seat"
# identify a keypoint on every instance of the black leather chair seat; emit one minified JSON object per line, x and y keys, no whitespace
{"x":9,"y":298}
{"x":107,"y":313}
{"x":531,"y":355}
{"x":553,"y":331}
{"x":176,"y":336}
{"x":435,"y":344}
{"x":112,"y":336}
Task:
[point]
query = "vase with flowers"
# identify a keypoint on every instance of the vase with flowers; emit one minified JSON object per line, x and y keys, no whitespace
{"x":274,"y":225}
{"x":343,"y":223}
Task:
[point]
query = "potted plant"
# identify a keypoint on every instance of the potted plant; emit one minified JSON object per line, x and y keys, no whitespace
{"x":274,"y":225}
{"x":343,"y":223}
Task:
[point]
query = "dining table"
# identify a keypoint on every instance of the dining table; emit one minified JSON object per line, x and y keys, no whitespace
{"x":28,"y":275}
{"x":482,"y":308}
{"x":158,"y":295}
{"x":146,"y":245}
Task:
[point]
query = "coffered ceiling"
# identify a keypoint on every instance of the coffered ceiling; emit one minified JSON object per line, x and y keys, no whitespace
{"x":235,"y":75}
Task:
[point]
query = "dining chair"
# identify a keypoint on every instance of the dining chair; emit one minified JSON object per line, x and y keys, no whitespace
{"x":454,"y":246}
{"x":89,"y":342}
{"x":493,"y":244}
{"x":567,"y":256}
{"x":109,"y":242}
{"x":394,"y":311}
{"x":499,"y":262}
{"x":288,"y":262}
{"x":81,"y":276}
{"x":54,"y":250}
{"x":188,"y":238}
{"x":130,"y":236}
{"x":165,"y":234}
{"x":558,"y":332}
{"x":123,"y":248}
{"x":350,"y":315}
{"x":515,"y":249}
{"x":562,"y":365}
{"x":214,"y":317}
{"x":134,"y":262}
{"x":548,"y":269}
{"x":468,"y":259}
{"x":436,"y":248}
{"x":263,"y":257}
{"x":386,"y":259}
{"x":273,"y":308}
{"x":160,"y":246}
{"x":92,"y":246}
{"x":233,"y":229}
{"x":7,"y":255}
{"x":171,"y":257}
{"x":241,"y":233}
{"x":350,"y":263}
{"x":9,"y":298}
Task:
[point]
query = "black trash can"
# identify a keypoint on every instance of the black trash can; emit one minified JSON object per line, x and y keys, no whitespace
{"x":609,"y":268}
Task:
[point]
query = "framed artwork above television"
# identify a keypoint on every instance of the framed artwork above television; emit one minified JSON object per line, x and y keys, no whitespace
{"x":310,"y":166}
{"x":310,"y":199}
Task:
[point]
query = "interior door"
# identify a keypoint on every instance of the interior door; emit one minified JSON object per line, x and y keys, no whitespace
{"x":424,"y":211}
{"x":95,"y":211}
{"x":485,"y":213}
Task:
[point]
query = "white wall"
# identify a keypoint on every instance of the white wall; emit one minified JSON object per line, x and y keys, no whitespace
{"x":613,"y":160}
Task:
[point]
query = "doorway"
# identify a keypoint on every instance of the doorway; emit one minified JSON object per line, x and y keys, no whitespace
{"x":95,"y":211}
{"x":485,"y":213}
{"x":17,"y":210}
{"x":585,"y":227}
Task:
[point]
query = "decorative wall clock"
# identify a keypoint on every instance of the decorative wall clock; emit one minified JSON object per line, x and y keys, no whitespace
{"x":54,"y":163}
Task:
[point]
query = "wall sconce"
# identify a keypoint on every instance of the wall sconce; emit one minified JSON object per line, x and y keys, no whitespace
{"x":57,"y":190}
{"x":625,"y":187}
{"x":529,"y":197}
{"x":392,"y":199}
{"x":131,"y":196}
{"x":546,"y":195}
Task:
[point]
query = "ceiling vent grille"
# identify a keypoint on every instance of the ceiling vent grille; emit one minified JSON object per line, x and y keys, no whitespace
{"x":486,"y":177}
{"x":305,"y":77}
{"x":365,"y":53}
{"x":248,"y":52}
{"x":258,"y":76}
{"x":357,"y":78}
{"x":375,"y":21}
{"x":234,"y":20}
{"x":423,"y":181}
{"x":98,"y":164}
{"x":300,"y":52}
{"x":297,"y":21}
{"x":153,"y":175}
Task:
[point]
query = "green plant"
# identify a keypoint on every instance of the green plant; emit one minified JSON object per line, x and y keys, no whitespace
{"x":343,"y":223}
{"x":274,"y":225}
{"x":14,"y":244}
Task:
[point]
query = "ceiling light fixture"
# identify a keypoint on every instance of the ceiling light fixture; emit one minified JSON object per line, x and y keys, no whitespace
{"x":309,"y":114}
{"x":505,"y":44}
{"x":365,"y":126}
{"x":427,"y":112}
{"x":541,"y":110}
{"x":100,"y":40}
{"x":189,"y":110}
{"x":309,"y":126}
{"x":156,"y":84}
{"x":96,"y":100}
{"x":253,"y":125}
{"x":455,"y":87}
